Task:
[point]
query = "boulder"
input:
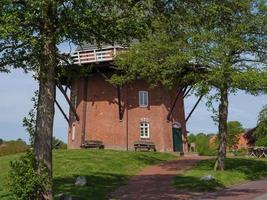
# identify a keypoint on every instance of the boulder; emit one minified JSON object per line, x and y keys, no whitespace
{"x":207,"y":178}
{"x":67,"y":197}
{"x":80,"y":181}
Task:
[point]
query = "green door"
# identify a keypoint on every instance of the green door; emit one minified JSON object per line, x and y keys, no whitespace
{"x":177,"y":139}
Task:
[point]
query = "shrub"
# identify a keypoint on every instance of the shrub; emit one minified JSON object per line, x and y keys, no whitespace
{"x":262,"y":142}
{"x":13,"y":147}
{"x":24,"y":181}
{"x":207,"y":152}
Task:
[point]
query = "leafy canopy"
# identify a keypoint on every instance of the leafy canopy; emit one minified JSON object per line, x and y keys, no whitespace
{"x":234,"y":130}
{"x":261,"y":130}
{"x":22,"y":35}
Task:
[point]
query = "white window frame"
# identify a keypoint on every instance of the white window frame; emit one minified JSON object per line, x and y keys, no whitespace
{"x":143,"y":98}
{"x":144,"y":130}
{"x":73,"y":132}
{"x":100,"y":56}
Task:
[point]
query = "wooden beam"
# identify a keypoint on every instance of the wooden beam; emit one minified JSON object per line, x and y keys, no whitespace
{"x":119,"y":102}
{"x":174,"y":103}
{"x":199,"y":99}
{"x":66,"y":89}
{"x":73,"y":109}
{"x":61,"y":110}
{"x":187,"y":92}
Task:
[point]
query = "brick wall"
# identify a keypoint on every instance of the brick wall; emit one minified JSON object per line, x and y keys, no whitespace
{"x":97,"y":107}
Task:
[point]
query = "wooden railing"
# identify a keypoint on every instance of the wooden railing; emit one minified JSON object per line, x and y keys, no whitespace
{"x":95,"y":56}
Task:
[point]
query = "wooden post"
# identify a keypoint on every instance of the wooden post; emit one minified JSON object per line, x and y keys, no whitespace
{"x":194,"y":108}
{"x":61,"y":110}
{"x":174,"y":103}
{"x":73,"y":109}
{"x":187,"y":92}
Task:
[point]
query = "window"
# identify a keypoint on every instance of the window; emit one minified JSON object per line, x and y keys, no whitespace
{"x":73,"y":132}
{"x":144,"y":130}
{"x":143,"y":98}
{"x":100,"y":56}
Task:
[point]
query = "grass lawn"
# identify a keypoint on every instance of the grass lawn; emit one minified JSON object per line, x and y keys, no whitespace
{"x":105,"y":170}
{"x":238,"y":170}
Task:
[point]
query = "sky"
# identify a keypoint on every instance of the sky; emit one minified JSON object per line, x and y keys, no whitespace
{"x":17,"y":89}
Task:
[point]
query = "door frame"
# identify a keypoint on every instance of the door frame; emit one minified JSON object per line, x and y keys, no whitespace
{"x":177,"y":125}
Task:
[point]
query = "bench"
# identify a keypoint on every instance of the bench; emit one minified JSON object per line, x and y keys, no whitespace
{"x":92,"y":144}
{"x":144,"y":145}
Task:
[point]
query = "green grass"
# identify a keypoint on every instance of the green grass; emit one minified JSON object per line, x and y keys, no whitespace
{"x":238,"y":170}
{"x":105,"y":170}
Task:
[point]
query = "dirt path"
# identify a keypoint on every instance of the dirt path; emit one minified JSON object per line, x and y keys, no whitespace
{"x":256,"y":190}
{"x":155,"y":182}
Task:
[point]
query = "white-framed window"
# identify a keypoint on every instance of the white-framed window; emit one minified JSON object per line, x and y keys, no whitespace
{"x":144,"y":130}
{"x":100,"y":56}
{"x":143,"y":98}
{"x":73,"y":132}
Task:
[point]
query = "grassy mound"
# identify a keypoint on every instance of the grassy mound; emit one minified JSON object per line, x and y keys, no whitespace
{"x":238,"y":170}
{"x":105,"y":170}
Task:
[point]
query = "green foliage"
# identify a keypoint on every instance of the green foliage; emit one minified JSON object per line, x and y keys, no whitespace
{"x":105,"y":170}
{"x":191,"y":138}
{"x":261,"y":130}
{"x":234,"y":129}
{"x":29,"y":122}
{"x":202,"y":144}
{"x":224,"y":39}
{"x":238,"y":170}
{"x":58,"y":144}
{"x":13,"y":147}
{"x":24,"y":181}
{"x":24,"y":30}
{"x":240,"y":152}
{"x":262,"y":142}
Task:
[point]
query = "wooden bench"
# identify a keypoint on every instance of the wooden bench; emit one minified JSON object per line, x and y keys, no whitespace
{"x":92,"y":144}
{"x":144,"y":145}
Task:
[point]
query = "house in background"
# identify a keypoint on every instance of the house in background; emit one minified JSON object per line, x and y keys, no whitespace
{"x":243,"y":142}
{"x":119,"y":116}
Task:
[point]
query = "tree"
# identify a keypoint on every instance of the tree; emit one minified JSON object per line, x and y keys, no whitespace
{"x":227,"y":39}
{"x":233,"y":45}
{"x":31,"y":31}
{"x":234,"y":129}
{"x":260,"y":133}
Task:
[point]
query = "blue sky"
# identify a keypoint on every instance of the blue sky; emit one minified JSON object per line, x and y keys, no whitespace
{"x":16,"y":89}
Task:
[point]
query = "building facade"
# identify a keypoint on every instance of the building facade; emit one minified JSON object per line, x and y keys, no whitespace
{"x":119,"y":116}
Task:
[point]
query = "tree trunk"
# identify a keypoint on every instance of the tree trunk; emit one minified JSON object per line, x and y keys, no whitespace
{"x":223,"y":115}
{"x":46,"y":99}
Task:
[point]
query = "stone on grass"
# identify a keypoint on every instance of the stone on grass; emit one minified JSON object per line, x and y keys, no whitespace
{"x":66,"y":197}
{"x":80,"y":181}
{"x":207,"y":178}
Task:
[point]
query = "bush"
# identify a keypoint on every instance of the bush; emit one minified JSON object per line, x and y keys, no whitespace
{"x":208,"y":152}
{"x":24,"y":181}
{"x":58,"y":144}
{"x":262,"y":142}
{"x":13,"y":147}
{"x":202,"y":144}
{"x":239,"y":152}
